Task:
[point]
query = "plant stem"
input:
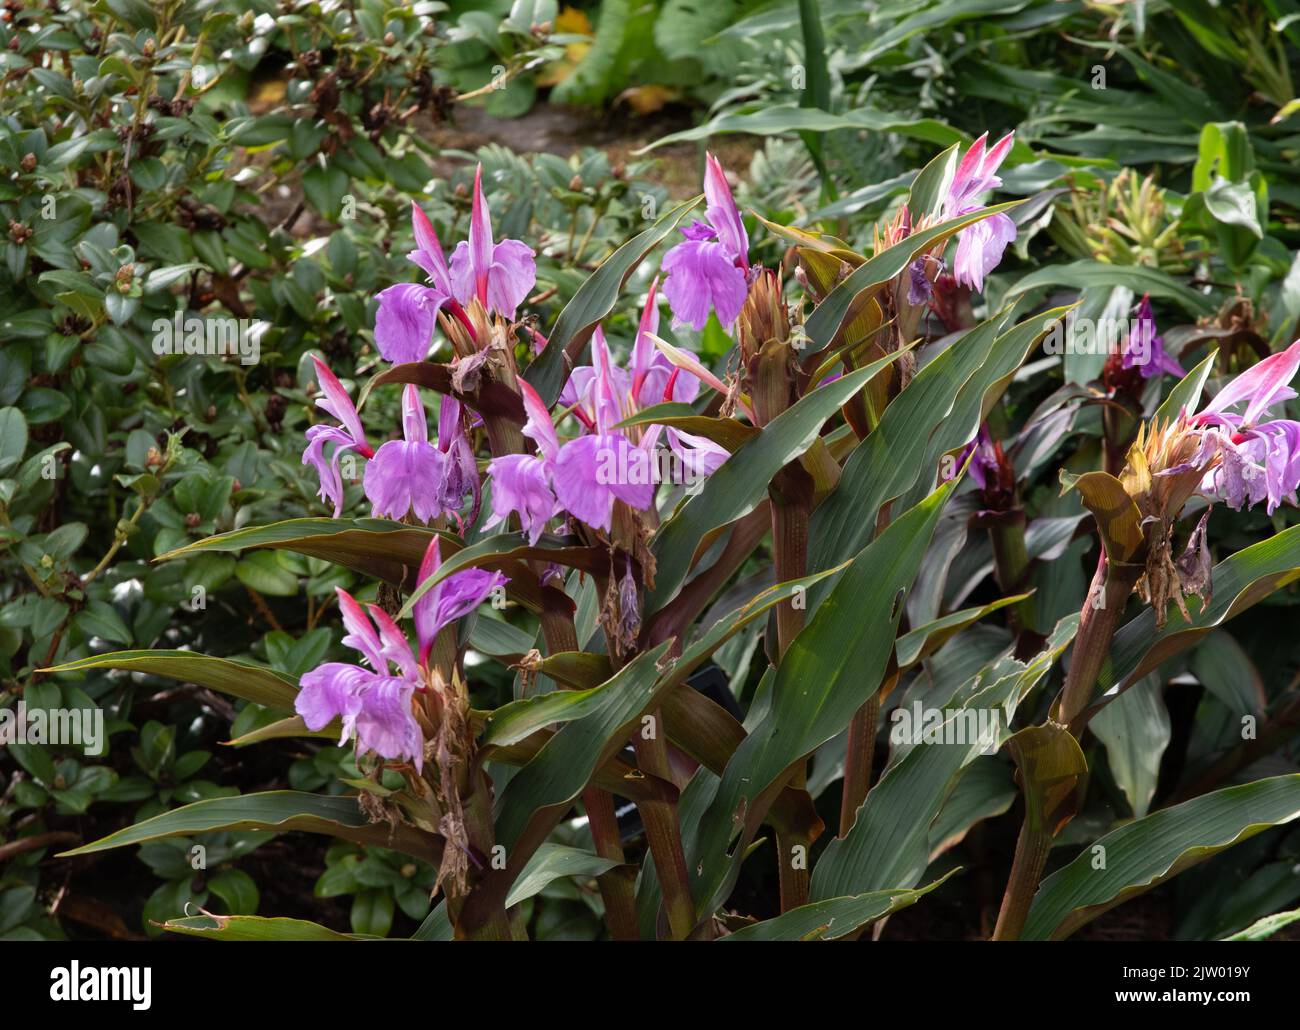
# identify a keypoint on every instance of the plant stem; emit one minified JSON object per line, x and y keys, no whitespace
{"x":857,"y":762}
{"x":664,"y":833}
{"x":791,"y":506}
{"x":1111,"y":586}
{"x":1032,"y":849}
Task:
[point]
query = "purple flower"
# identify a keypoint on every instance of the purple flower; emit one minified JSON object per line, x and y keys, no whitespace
{"x":408,"y":312}
{"x":919,"y":288}
{"x":583,"y":476}
{"x":348,"y":436}
{"x":459,"y":470}
{"x":454,"y":597}
{"x":1145,"y":348}
{"x":711,"y":268}
{"x":984,"y":464}
{"x":979,"y":246}
{"x":406,"y":475}
{"x":1258,"y":461}
{"x":501,"y":274}
{"x":375,"y":703}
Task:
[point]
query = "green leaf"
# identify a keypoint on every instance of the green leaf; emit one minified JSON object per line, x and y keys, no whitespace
{"x":938,"y":411}
{"x":279,"y":811}
{"x":1264,"y":928}
{"x":262,"y":571}
{"x":549,"y":863}
{"x":231,"y":676}
{"x":565,"y":764}
{"x":894,"y":834}
{"x":258,"y":928}
{"x":13,"y":438}
{"x":1187,"y":394}
{"x":830,"y":670}
{"x":372,"y":913}
{"x":872,"y":275}
{"x":784,"y":119}
{"x":1239,"y":582}
{"x":1136,"y":731}
{"x":835,"y":917}
{"x":741,"y":482}
{"x":1147,"y":852}
{"x":1079,"y":275}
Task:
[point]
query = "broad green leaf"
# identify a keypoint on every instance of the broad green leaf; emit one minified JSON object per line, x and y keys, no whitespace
{"x":830,"y":670}
{"x":925,"y":640}
{"x":1239,"y":583}
{"x":740,"y":484}
{"x":567,"y":761}
{"x":835,"y":917}
{"x":1146,"y":852}
{"x":827,"y":318}
{"x":1138,"y":278}
{"x":938,"y":411}
{"x":258,"y":928}
{"x":231,"y":676}
{"x":1136,"y":730}
{"x":894,"y":834}
{"x":279,"y":811}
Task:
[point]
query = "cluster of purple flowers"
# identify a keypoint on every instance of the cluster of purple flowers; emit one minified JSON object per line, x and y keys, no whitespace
{"x":1259,"y":456}
{"x":709,"y":271}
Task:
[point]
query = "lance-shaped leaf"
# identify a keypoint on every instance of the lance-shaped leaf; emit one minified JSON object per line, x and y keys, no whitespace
{"x":379,"y":548}
{"x":1263,"y":929}
{"x":923,"y":641}
{"x":783,"y":119}
{"x":392,"y":551}
{"x":938,"y":411}
{"x":1079,"y":275}
{"x":231,"y":676}
{"x":279,"y":811}
{"x":726,"y":432}
{"x":741,"y":483}
{"x":1146,"y":852}
{"x":258,"y":928}
{"x":1187,"y":394}
{"x":894,"y":834}
{"x":593,"y":300}
{"x":835,"y":917}
{"x":293,"y":726}
{"x":824,"y":323}
{"x":832,"y":668}
{"x":567,"y":761}
{"x":1118,"y":520}
{"x":1239,"y":582}
{"x":549,"y":863}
